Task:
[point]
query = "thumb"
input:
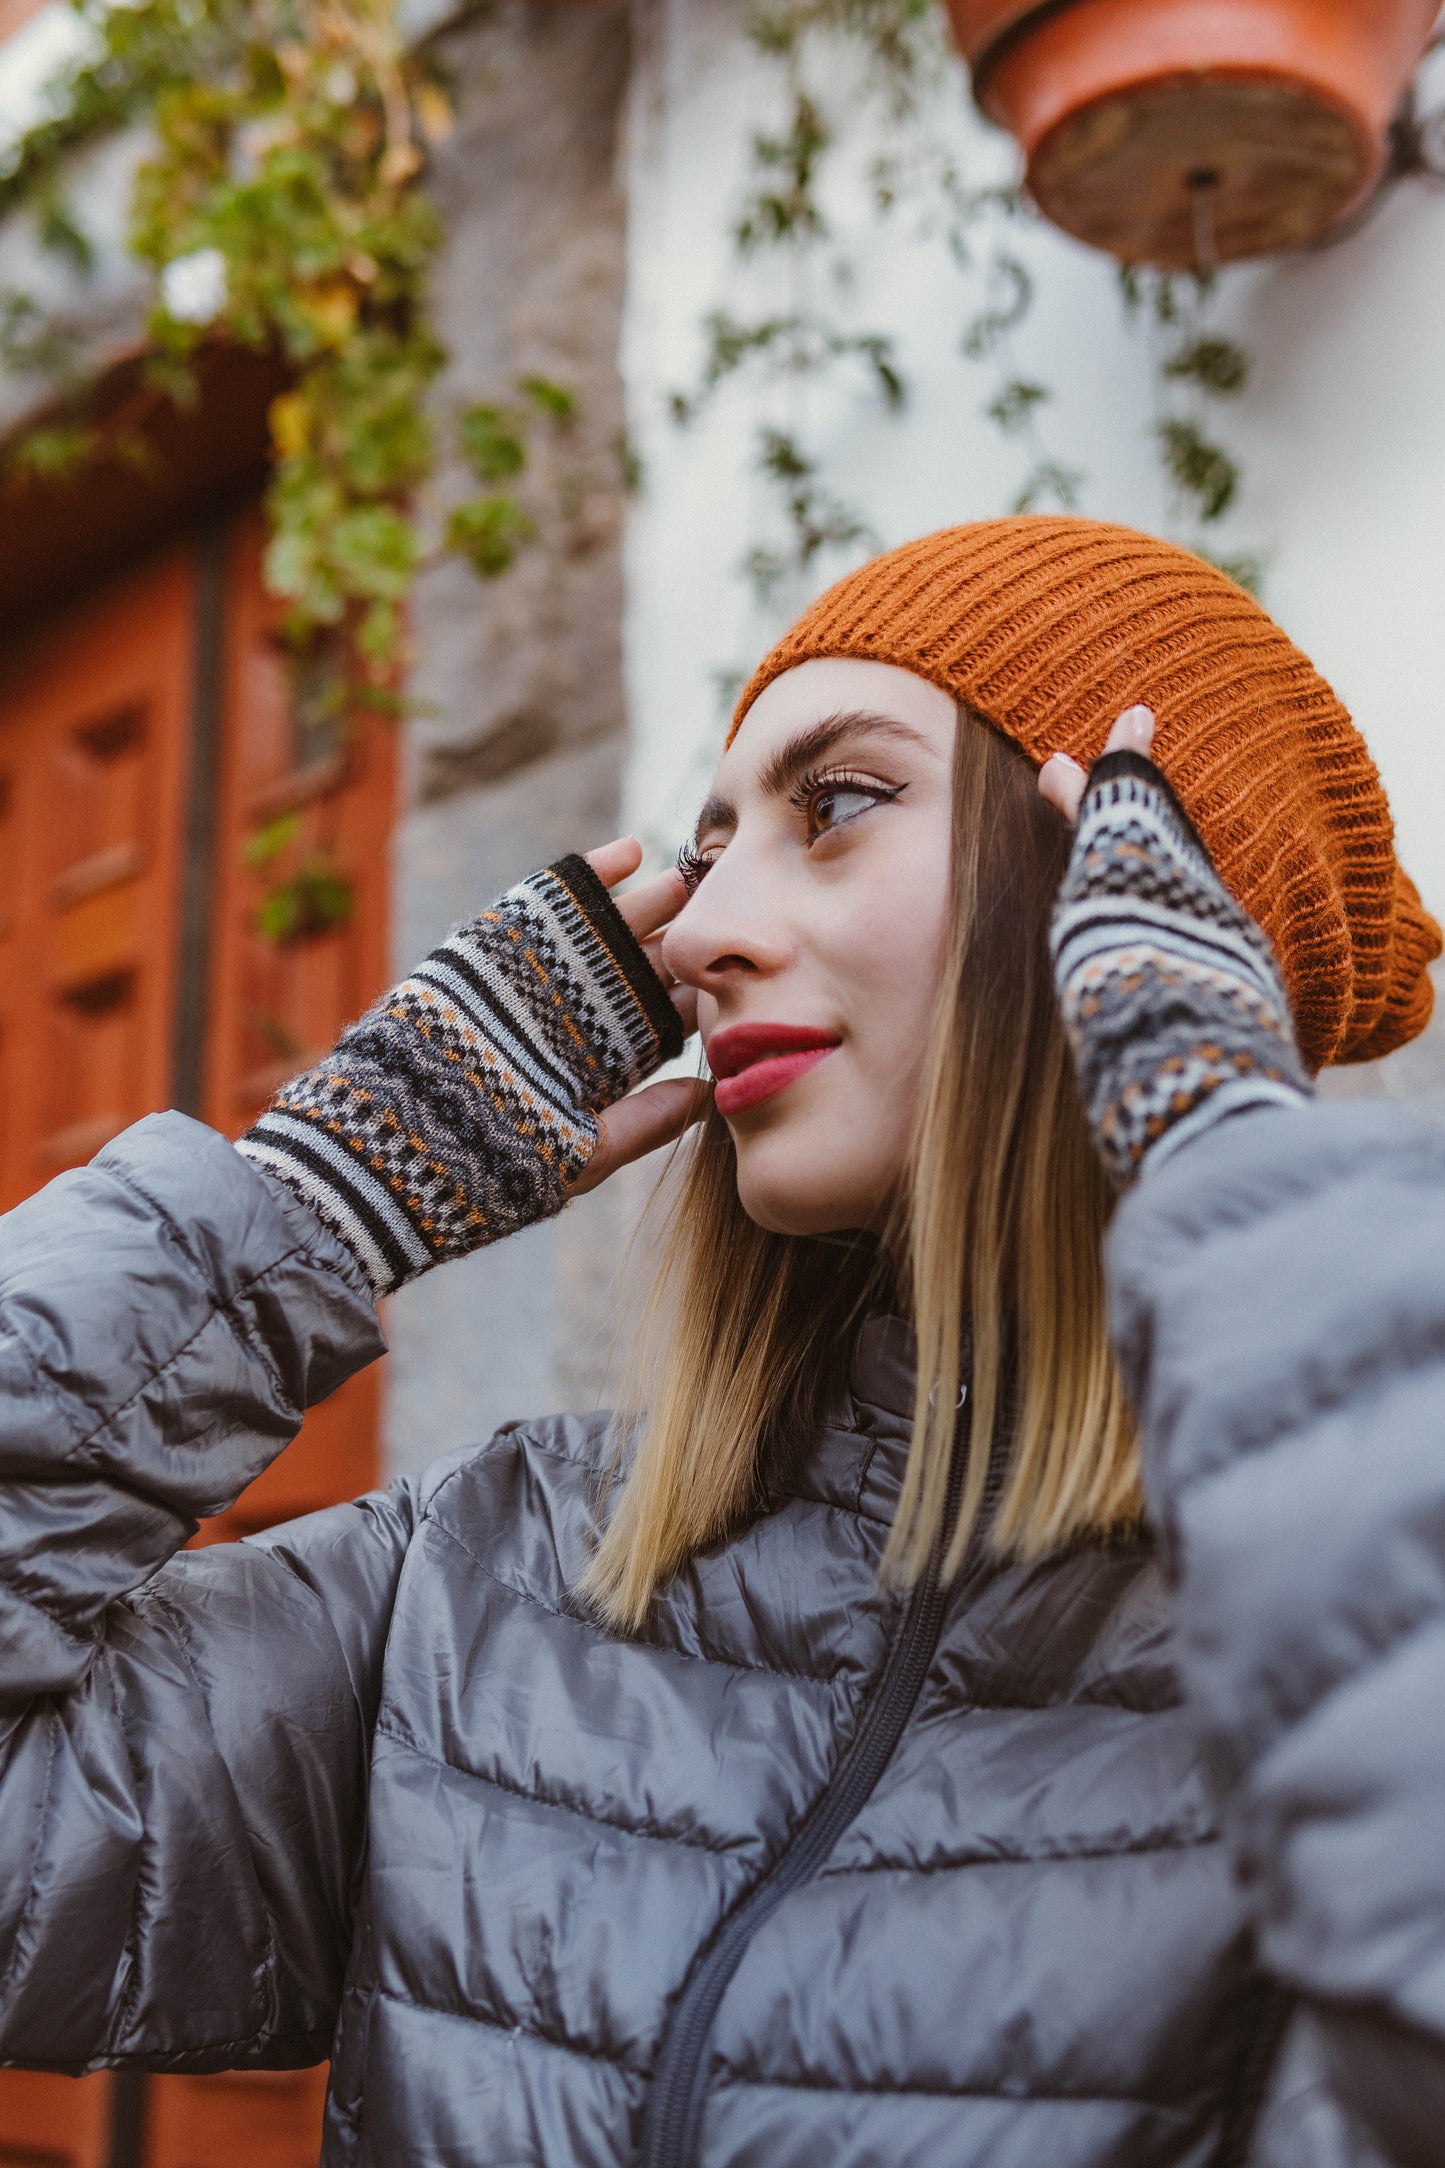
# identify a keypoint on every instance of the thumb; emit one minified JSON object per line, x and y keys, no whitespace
{"x":642,"y":1123}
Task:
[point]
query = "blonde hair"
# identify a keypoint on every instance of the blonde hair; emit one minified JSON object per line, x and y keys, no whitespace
{"x":744,"y":1333}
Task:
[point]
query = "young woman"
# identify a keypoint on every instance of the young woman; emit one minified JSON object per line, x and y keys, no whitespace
{"x":834,"y":1763}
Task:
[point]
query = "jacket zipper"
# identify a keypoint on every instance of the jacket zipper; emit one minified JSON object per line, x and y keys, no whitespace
{"x":1265,"y":2021}
{"x":679,"y":2083}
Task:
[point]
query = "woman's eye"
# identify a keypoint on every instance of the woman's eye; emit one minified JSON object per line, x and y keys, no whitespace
{"x":833,"y":805}
{"x":831,"y":808}
{"x":692,"y":864}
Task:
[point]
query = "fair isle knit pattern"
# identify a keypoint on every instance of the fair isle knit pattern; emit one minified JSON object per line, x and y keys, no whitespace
{"x":1173,"y":1001}
{"x":465,"y":1103}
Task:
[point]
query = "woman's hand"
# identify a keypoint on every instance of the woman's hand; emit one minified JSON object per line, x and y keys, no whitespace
{"x":1171,"y":996}
{"x":659,"y":1113}
{"x":494,"y":1082}
{"x":1062,"y":780}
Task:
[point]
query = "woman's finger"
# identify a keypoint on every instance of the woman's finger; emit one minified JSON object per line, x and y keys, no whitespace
{"x":652,"y":904}
{"x":612,"y":862}
{"x":1133,"y":732}
{"x":683,"y":998}
{"x":642,"y":1123}
{"x":1062,"y":780}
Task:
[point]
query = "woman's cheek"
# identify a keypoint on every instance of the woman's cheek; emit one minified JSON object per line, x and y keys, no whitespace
{"x":896,"y":957}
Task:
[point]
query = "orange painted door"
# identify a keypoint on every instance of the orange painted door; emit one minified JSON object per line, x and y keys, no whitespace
{"x":242,"y":2119}
{"x":50,"y":2122}
{"x":159,"y":772}
{"x":305,"y":810}
{"x":92,"y":760}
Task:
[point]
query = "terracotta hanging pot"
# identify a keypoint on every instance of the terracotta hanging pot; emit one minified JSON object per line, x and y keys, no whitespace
{"x":1189,"y":132}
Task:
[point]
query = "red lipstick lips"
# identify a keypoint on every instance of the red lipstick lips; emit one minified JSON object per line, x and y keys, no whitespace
{"x":752,"y":1062}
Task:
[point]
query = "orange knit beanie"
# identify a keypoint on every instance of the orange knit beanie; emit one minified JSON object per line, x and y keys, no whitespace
{"x":1050,"y":627}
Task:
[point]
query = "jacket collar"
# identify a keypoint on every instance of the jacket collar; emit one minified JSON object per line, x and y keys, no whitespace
{"x":880,"y":1410}
{"x":881,"y":1375}
{"x":857,"y":1458}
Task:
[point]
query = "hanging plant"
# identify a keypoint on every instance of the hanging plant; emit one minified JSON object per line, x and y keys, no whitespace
{"x":1195,"y":367}
{"x":279,"y":209}
{"x":904,"y":57}
{"x":783,"y":213}
{"x":493,"y":439}
{"x":308,"y":895}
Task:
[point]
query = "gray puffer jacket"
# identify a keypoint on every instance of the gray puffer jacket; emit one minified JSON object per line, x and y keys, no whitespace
{"x":1035,"y":1872}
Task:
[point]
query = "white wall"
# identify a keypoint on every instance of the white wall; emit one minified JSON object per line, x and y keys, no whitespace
{"x":1341,"y":432}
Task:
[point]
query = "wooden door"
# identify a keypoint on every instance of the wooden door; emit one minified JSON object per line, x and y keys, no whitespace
{"x":324,"y":786}
{"x":92,"y":752}
{"x":51,"y":2122}
{"x":241,"y":2119}
{"x":149,"y":740}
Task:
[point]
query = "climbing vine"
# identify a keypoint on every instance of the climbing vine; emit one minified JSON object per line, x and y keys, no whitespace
{"x":277,"y":208}
{"x":833,"y":60}
{"x":1194,"y":367}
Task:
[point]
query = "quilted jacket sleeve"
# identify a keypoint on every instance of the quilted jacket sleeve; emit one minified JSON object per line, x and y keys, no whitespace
{"x":1278,"y":1294}
{"x":183,"y":1740}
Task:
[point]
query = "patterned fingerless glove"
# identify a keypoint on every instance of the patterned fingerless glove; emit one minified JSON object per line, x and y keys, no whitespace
{"x":1171,"y":995}
{"x":464,"y":1105}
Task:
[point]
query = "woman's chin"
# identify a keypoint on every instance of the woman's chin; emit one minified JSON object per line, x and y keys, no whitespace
{"x":797,"y":1200}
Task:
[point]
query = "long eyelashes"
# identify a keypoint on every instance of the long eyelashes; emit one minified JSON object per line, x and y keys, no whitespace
{"x":813,"y":791}
{"x":808,"y":794}
{"x":692,"y":866}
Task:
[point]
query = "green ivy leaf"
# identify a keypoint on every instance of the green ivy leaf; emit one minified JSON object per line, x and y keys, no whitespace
{"x":1014,"y":405}
{"x":779,"y":456}
{"x":1215,"y":364}
{"x":549,"y":398}
{"x":54,"y":452}
{"x":1202,"y":469}
{"x":316,"y":900}
{"x":268,"y":843}
{"x":490,"y":443}
{"x":488,"y":531}
{"x":375,"y":549}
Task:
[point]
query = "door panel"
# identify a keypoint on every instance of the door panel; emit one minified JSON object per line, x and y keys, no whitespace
{"x":92,"y":753}
{"x":277,"y":1007}
{"x":50,"y":2122}
{"x":243,"y":2119}
{"x":95,"y":755}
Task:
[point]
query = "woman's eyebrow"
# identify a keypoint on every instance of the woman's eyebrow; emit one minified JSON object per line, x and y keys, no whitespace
{"x":814,"y":744}
{"x":717,"y":812}
{"x":801,"y":753}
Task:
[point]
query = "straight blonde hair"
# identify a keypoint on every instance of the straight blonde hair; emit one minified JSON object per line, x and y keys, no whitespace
{"x":744,"y":1337}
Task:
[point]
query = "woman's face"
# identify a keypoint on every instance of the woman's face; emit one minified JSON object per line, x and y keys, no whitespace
{"x":815,"y":935}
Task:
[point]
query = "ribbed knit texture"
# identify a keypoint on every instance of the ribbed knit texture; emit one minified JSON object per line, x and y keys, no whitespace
{"x":1051,"y":627}
{"x":1172,"y":999}
{"x":464,"y":1104}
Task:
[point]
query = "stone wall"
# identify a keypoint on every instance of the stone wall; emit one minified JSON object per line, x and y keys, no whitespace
{"x":516,"y":753}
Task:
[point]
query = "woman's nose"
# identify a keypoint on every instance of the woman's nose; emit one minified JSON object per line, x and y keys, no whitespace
{"x":721,"y":936}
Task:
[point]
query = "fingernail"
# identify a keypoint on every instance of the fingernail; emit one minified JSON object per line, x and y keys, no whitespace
{"x":1139,"y":717}
{"x":1068,"y":761}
